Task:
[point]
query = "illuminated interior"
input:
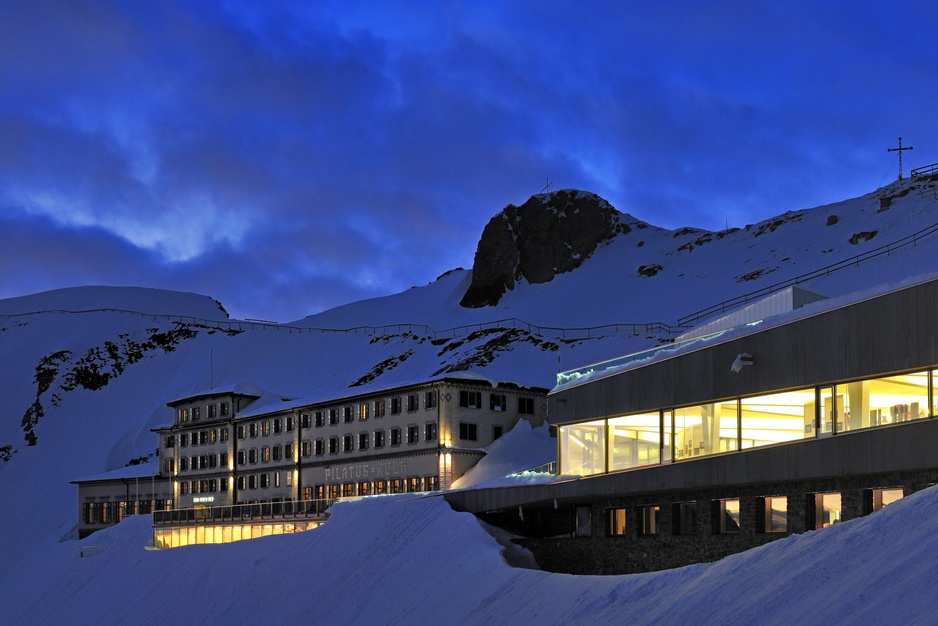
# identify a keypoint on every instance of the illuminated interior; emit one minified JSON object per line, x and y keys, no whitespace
{"x":179,"y":536}
{"x":684,"y":433}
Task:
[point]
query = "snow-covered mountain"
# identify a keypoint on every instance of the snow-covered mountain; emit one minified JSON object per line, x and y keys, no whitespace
{"x":87,"y":372}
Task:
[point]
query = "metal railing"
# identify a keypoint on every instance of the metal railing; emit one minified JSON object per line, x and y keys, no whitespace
{"x":925,"y":170}
{"x":544,"y":468}
{"x":258,"y":511}
{"x":731,"y":303}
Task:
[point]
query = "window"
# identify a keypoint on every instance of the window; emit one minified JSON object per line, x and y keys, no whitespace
{"x":429,"y":431}
{"x":348,"y":490}
{"x":288,"y":451}
{"x":265,"y":481}
{"x":183,"y":439}
{"x":242,"y":482}
{"x":379,"y":438}
{"x":305,"y":420}
{"x":320,"y":419}
{"x":649,"y":517}
{"x":196,"y":414}
{"x":333,"y":445}
{"x":289,"y":478}
{"x":497,"y":401}
{"x":395,"y":436}
{"x":348,"y":443}
{"x":363,"y":411}
{"x":615,"y":522}
{"x":212,"y":461}
{"x":212,"y":411}
{"x":265,"y":428}
{"x":429,"y":400}
{"x":278,"y":426}
{"x":364,"y":488}
{"x":395,"y":406}
{"x":413,"y":434}
{"x":363,"y":440}
{"x":320,"y":447}
{"x":396,"y":485}
{"x":223,"y":459}
{"x":212,"y":436}
{"x":242,"y":457}
{"x":168,"y":466}
{"x":379,"y":408}
{"x":432,"y":483}
{"x":470,"y":399}
{"x":277,"y":479}
{"x":526,"y":406}
{"x":183,"y":464}
{"x":727,"y":517}
{"x":242,"y":431}
{"x":413,"y":484}
{"x":380,"y":487}
{"x":776,"y":514}
{"x":223,"y":434}
{"x":252,"y":481}
{"x":467,"y":431}
{"x":171,"y":441}
{"x":278,"y":453}
{"x":252,"y":455}
{"x":290,"y":422}
{"x":497,"y":431}
{"x":306,"y":448}
{"x":183,"y":415}
{"x":411,"y":402}
{"x":203,"y":437}
{"x":826,"y":509}
{"x":253,"y":429}
{"x":333,"y":416}
{"x":346,"y":414}
{"x":223,"y":409}
{"x":884,"y":497}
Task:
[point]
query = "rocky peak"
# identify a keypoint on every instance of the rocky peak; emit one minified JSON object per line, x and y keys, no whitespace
{"x":548,"y":235}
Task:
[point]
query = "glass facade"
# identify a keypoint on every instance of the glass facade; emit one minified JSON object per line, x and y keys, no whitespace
{"x":684,"y":433}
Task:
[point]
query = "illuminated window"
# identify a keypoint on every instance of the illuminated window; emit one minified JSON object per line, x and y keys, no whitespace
{"x":223,"y":434}
{"x":726,"y":516}
{"x":364,"y":488}
{"x":649,"y":518}
{"x":396,"y":485}
{"x":183,"y":415}
{"x":379,"y":408}
{"x":363,"y":411}
{"x":348,"y":490}
{"x":380,"y":487}
{"x":468,"y":431}
{"x":776,"y":514}
{"x":265,"y":428}
{"x":615,"y":522}
{"x":168,"y":466}
{"x":634,"y":441}
{"x":826,"y":509}
{"x":884,"y":497}
{"x":277,"y":479}
{"x":777,"y":417}
{"x":212,"y":436}
{"x":582,"y":448}
{"x":413,"y":484}
{"x":432,"y":483}
{"x":306,"y":448}
{"x":497,"y":401}
{"x":880,"y":401}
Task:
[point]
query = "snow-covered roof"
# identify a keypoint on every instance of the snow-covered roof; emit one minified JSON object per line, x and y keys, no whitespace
{"x":142,"y":470}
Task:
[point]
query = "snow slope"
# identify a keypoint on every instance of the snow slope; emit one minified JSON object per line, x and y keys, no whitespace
{"x":87,"y":388}
{"x":413,"y":560}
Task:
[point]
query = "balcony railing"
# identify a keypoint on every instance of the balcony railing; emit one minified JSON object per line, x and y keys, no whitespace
{"x":258,"y":511}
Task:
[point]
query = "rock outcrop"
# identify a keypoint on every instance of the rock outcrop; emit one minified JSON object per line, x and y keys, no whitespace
{"x":548,"y":235}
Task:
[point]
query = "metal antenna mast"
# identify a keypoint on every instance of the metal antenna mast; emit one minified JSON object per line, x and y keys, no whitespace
{"x":899,"y":150}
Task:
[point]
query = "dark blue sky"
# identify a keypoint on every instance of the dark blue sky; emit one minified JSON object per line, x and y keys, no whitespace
{"x":292,"y":157}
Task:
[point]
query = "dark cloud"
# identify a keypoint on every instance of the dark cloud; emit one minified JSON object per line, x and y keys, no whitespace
{"x":287,"y":157}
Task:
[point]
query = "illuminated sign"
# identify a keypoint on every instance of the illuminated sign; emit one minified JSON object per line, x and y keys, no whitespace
{"x":203,"y":499}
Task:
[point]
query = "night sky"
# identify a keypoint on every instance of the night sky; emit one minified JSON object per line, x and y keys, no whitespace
{"x":287,"y":157}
